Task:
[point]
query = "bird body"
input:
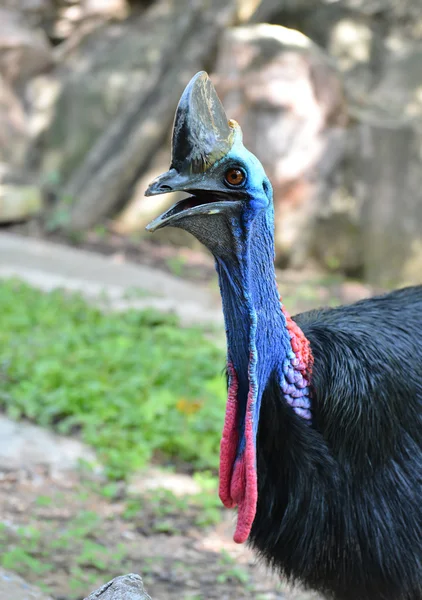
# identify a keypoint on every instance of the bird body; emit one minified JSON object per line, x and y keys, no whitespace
{"x":339,"y":502}
{"x":321,"y":447}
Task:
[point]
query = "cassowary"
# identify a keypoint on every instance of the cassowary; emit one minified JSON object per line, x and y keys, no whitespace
{"x":321,"y":446}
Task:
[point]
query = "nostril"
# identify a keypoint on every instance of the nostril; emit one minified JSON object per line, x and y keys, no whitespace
{"x":166,"y":188}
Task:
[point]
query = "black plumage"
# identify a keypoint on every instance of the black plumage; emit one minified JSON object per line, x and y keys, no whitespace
{"x":339,"y":501}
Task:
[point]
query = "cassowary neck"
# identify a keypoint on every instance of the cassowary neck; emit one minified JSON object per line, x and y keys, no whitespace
{"x":261,"y":340}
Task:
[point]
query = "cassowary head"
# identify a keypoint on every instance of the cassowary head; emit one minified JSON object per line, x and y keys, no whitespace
{"x":227,"y":183}
{"x":230,"y":211}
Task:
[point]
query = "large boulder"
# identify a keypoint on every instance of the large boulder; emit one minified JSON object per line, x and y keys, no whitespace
{"x":372,"y":223}
{"x":119,"y":87}
{"x":13,"y":587}
{"x":289,"y":100}
{"x":389,"y":170}
{"x":125,"y":587}
{"x":24,"y":50}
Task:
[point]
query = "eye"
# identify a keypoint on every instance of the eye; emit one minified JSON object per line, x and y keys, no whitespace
{"x":234,"y":176}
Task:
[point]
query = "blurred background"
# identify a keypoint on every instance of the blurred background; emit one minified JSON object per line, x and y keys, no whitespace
{"x":111,"y":340}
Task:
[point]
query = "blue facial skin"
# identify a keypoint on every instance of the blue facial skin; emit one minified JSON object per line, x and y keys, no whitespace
{"x":257,"y":336}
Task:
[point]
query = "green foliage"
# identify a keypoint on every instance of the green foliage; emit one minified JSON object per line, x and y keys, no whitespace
{"x":132,"y":383}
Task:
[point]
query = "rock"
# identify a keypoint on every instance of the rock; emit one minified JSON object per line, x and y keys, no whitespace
{"x":13,"y":587}
{"x":283,"y":90}
{"x":18,"y":203}
{"x":20,"y":197}
{"x":377,"y":47}
{"x":388,"y":168}
{"x":24,"y":51}
{"x":118,"y":100}
{"x":34,"y":12}
{"x":391,"y":185}
{"x":30,"y":446}
{"x":117,"y":9}
{"x":13,"y":133}
{"x":126,"y":587}
{"x":105,"y":283}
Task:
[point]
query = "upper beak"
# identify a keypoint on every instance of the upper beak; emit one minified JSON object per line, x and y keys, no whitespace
{"x":171,"y":181}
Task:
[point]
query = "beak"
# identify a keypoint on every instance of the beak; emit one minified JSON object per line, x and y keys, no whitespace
{"x":171,"y":181}
{"x":202,"y":135}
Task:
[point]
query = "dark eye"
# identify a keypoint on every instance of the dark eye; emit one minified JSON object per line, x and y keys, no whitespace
{"x":234,"y":176}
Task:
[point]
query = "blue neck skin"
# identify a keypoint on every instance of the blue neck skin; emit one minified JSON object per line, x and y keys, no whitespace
{"x":257,"y":336}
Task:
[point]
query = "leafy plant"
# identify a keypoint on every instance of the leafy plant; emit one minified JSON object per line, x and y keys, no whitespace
{"x":131,"y":384}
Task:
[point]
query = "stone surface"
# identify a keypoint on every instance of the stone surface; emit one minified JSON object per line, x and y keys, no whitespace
{"x":20,"y":198}
{"x":13,"y":125}
{"x":18,"y":203}
{"x":49,"y":266}
{"x":283,"y":90}
{"x":13,"y":587}
{"x":88,"y":90}
{"x":387,"y":166}
{"x":120,"y":87}
{"x":118,"y":9}
{"x":371,"y":224}
{"x":23,"y":445}
{"x":24,"y":51}
{"x":126,"y":587}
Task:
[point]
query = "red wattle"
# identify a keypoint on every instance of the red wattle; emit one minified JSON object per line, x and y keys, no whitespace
{"x":229,"y":441}
{"x":238,"y":473}
{"x":238,"y":479}
{"x":247,"y":503}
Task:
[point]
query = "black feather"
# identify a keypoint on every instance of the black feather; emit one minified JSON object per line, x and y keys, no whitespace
{"x":340,"y":501}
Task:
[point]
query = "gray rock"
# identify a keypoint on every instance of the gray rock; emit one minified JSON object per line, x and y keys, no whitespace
{"x":19,"y":202}
{"x":23,"y":445}
{"x":24,"y":51}
{"x":119,"y":90}
{"x":286,"y":94}
{"x":371,"y":223}
{"x":387,"y":170}
{"x":50,"y":266}
{"x":14,"y":138}
{"x":126,"y":587}
{"x":13,"y":587}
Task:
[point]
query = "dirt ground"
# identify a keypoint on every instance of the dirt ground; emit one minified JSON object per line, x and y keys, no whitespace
{"x":72,"y":534}
{"x":300,"y":290}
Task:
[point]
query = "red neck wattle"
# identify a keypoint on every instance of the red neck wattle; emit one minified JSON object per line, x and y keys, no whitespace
{"x":238,"y":474}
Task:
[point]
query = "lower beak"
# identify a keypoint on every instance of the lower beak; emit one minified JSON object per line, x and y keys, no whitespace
{"x":201,"y":202}
{"x":188,"y":207}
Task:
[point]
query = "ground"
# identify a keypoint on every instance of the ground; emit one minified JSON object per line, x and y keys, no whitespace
{"x":70,"y":533}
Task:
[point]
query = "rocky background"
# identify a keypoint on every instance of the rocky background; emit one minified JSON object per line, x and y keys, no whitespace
{"x":328,"y":93}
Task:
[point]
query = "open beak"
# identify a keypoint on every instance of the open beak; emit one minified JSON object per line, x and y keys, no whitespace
{"x":202,"y":135}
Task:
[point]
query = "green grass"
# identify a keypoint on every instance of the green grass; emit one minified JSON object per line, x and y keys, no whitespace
{"x":131,"y":384}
